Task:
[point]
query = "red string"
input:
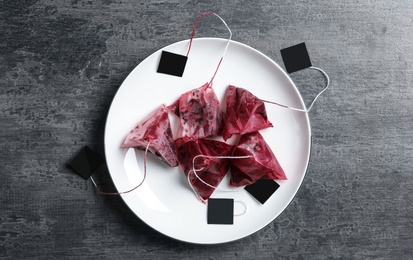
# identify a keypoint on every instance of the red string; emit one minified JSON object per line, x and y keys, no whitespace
{"x":194,"y":29}
{"x":215,"y":73}
{"x":123,"y":192}
{"x":312,"y":102}
{"x":192,"y":37}
{"x":274,"y":103}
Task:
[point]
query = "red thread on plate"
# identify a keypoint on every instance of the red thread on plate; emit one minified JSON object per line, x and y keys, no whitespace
{"x":312,"y":102}
{"x":226,"y":47}
{"x":194,"y":29}
{"x":134,"y":188}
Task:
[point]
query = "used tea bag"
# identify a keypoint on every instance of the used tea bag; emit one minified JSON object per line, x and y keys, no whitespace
{"x":154,"y":130}
{"x":199,"y":112}
{"x":245,"y":113}
{"x":261,"y":165}
{"x":201,"y":155}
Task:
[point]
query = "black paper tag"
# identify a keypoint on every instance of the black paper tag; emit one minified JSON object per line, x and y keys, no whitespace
{"x":262,"y":189}
{"x":220,"y":211}
{"x":172,"y":64}
{"x":296,"y":58}
{"x":86,"y":162}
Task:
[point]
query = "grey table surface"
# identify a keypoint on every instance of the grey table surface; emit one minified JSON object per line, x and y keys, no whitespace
{"x":61,"y":63}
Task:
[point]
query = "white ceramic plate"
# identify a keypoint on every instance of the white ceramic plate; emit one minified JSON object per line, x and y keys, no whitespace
{"x":165,"y":201}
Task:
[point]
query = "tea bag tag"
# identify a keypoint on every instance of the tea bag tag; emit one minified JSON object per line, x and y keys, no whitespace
{"x":85,"y":162}
{"x":262,"y":190}
{"x":172,"y":64}
{"x":220,"y":211}
{"x":296,"y":58}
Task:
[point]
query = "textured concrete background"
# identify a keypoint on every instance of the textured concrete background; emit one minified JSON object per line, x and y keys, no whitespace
{"x":61,"y":63}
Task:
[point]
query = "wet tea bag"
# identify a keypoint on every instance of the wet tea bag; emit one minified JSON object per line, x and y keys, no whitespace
{"x":245,"y":113}
{"x":204,"y":162}
{"x":261,"y":163}
{"x":154,"y":130}
{"x":200,"y":113}
{"x":199,"y":109}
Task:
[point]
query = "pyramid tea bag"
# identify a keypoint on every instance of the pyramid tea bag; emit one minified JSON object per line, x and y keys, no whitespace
{"x":261,"y":165}
{"x":154,"y":130}
{"x":201,"y":155}
{"x":245,"y":113}
{"x":199,"y":111}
